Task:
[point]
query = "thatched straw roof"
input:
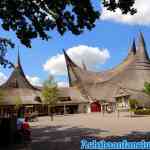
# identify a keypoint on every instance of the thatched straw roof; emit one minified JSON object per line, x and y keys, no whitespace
{"x":132,"y":73}
{"x":25,"y":96}
{"x":18,"y":86}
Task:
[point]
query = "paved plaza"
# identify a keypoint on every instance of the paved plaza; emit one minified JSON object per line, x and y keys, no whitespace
{"x":65,"y":132}
{"x":103,"y":125}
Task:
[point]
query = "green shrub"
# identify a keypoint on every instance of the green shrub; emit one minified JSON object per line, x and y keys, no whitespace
{"x":133,"y":103}
{"x":142,"y":112}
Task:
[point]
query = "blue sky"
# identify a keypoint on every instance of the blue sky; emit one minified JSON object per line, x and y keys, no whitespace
{"x":113,"y":34}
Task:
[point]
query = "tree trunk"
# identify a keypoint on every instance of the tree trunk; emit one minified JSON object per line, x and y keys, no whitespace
{"x":50,"y":112}
{"x":52,"y":116}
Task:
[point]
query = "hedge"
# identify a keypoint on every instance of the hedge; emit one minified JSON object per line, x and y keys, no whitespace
{"x":142,"y":112}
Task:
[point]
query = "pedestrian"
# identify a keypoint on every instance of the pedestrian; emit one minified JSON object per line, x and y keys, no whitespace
{"x":27,"y":115}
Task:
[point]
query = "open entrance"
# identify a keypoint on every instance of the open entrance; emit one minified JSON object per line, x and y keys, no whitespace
{"x":72,"y":109}
{"x":95,"y":107}
{"x":67,"y":109}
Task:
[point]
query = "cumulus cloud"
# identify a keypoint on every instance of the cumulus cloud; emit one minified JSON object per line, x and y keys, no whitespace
{"x":55,"y":65}
{"x":3,"y":78}
{"x":140,"y":18}
{"x":91,"y":56}
{"x":36,"y":81}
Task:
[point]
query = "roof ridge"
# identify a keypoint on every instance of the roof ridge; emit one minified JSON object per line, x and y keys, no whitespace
{"x":141,"y":48}
{"x":17,"y":77}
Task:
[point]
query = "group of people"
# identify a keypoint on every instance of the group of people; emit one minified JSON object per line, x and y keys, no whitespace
{"x":24,"y":113}
{"x":23,"y":126}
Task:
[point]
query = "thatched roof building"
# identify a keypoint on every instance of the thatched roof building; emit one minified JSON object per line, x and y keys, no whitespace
{"x":87,"y":88}
{"x":18,"y":87}
{"x":130,"y":75}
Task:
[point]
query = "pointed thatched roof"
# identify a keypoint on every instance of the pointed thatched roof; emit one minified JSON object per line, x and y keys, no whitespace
{"x":17,"y":85}
{"x":89,"y":77}
{"x":132,"y":73}
{"x":17,"y":78}
{"x":73,"y":93}
{"x":26,"y":96}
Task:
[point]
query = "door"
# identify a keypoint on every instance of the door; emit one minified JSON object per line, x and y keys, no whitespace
{"x":95,"y":107}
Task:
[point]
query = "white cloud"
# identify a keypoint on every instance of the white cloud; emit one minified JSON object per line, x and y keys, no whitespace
{"x":91,"y":56}
{"x":62,"y":84}
{"x":140,"y":18}
{"x":55,"y":65}
{"x":34,"y":80}
{"x":3,"y":78}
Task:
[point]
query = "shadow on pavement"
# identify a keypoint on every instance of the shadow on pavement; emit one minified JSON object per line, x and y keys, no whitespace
{"x":132,"y":136}
{"x":60,"y":137}
{"x":64,"y":138}
{"x":56,"y":138}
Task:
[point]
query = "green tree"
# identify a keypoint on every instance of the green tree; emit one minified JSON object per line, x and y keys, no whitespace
{"x":18,"y":103}
{"x":30,"y":19}
{"x":4,"y":44}
{"x":50,"y":94}
{"x":133,"y":104}
{"x":147,"y":88}
{"x":126,"y":6}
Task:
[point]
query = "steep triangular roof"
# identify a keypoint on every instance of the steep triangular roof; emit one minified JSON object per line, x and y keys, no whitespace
{"x":132,"y":50}
{"x":74,"y":76}
{"x":17,"y":78}
{"x":132,"y":73}
{"x":131,"y":77}
{"x":70,"y":65}
{"x":94,"y":77}
{"x":141,"y":48}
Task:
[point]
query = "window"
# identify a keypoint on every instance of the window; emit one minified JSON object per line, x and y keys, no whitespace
{"x":62,"y":99}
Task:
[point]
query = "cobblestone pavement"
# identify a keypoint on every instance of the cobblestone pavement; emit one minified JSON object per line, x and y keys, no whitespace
{"x":65,"y":132}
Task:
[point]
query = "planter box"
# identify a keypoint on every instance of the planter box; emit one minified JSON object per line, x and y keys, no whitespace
{"x":142,"y":112}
